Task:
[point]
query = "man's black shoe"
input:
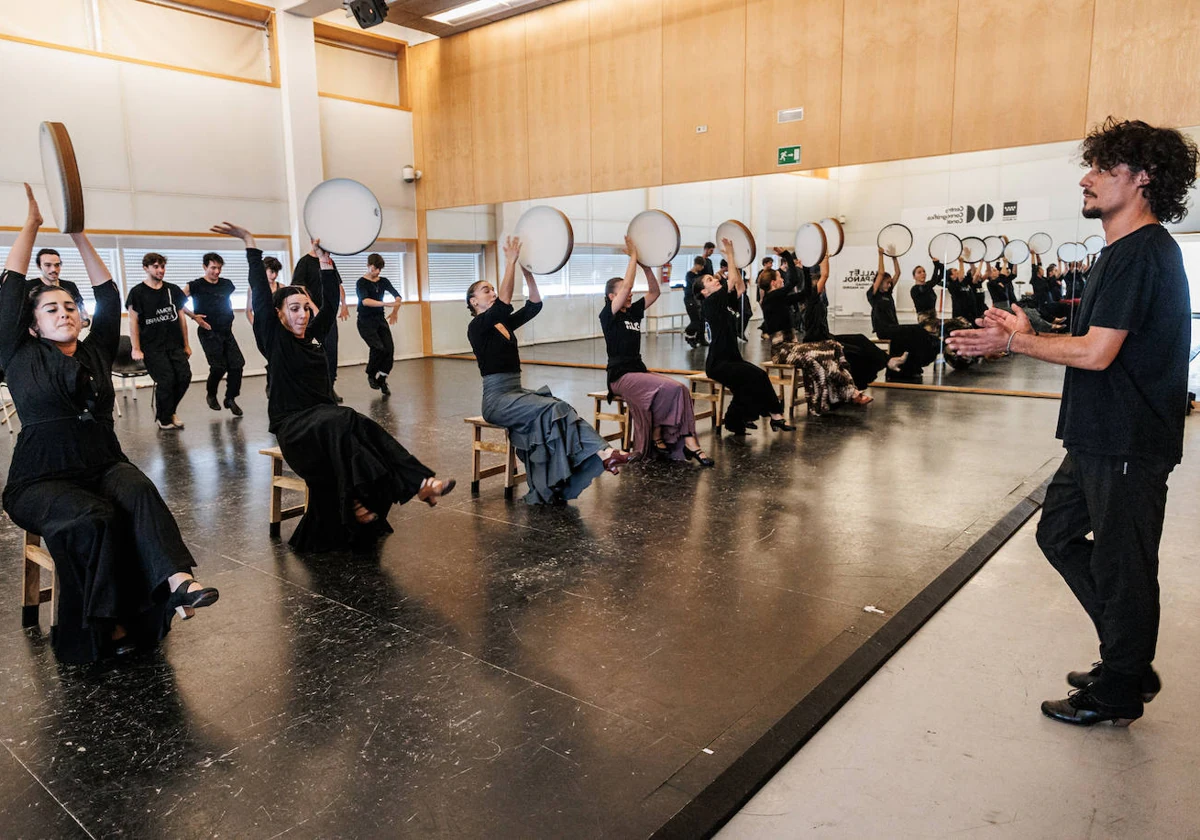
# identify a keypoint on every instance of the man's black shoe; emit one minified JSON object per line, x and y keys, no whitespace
{"x":212,"y":402}
{"x":1080,"y":708}
{"x":373,"y":381}
{"x":1150,"y":685}
{"x":232,"y":405}
{"x":383,"y":387}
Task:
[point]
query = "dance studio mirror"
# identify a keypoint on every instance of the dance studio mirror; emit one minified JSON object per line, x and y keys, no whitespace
{"x":1013,"y":203}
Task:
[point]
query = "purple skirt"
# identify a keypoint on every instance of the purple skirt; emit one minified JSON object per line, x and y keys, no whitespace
{"x":656,"y":400}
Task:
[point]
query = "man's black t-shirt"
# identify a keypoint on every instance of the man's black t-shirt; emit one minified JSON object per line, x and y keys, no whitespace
{"x":212,"y":301}
{"x":66,"y":285}
{"x":158,"y":316}
{"x":723,"y":345}
{"x":1136,"y":406}
{"x":689,"y":284}
{"x":623,"y":338}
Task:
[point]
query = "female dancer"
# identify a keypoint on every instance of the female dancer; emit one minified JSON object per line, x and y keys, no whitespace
{"x":925,"y":302}
{"x":753,"y":394}
{"x":122,"y":566}
{"x":827,"y":378}
{"x":355,"y":471}
{"x":373,"y":326}
{"x":910,"y":347}
{"x":659,"y":407}
{"x":561,"y":453}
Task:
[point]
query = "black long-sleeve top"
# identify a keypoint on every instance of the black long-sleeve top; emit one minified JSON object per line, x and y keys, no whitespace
{"x":777,"y":303}
{"x":299,"y":370}
{"x":65,"y":402}
{"x":723,"y":327}
{"x":373,"y":290}
{"x":496,"y":351}
{"x":924,"y":297}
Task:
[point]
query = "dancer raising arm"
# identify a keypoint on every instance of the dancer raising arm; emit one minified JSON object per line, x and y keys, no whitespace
{"x":123,"y":568}
{"x":561,"y":453}
{"x":355,"y":470}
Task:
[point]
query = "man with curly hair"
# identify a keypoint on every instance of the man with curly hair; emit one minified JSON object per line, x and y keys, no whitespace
{"x":1124,"y":398}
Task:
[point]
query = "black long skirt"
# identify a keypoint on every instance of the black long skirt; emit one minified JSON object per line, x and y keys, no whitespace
{"x":753,"y":394}
{"x":114,"y":544}
{"x":864,"y":357}
{"x":345,"y":457}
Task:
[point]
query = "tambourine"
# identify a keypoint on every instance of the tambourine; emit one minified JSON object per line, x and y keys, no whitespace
{"x":344,"y":215}
{"x":61,"y":174}
{"x":974,"y":249}
{"x":895,"y":240}
{"x":945,"y":247}
{"x":1094,"y":244}
{"x":1016,"y":252}
{"x":1040,"y":243}
{"x":811,"y":244}
{"x":656,"y":237}
{"x":546,"y":239}
{"x":835,"y":236}
{"x":993,"y":248}
{"x":744,"y":248}
{"x":1070,"y":252}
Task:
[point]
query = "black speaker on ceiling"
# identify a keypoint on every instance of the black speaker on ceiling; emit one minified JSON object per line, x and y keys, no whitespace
{"x":369,"y":13}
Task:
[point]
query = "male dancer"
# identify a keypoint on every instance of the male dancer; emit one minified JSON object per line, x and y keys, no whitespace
{"x":49,"y":262}
{"x":160,"y":337}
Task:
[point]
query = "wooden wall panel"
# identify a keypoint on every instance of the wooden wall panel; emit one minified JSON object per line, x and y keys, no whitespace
{"x":499,"y":112}
{"x":1021,"y":75}
{"x":440,"y":83}
{"x":779,"y":78}
{"x":704,"y":83}
{"x":898,"y":79}
{"x":1145,"y":55}
{"x":559,"y":91}
{"x":626,"y":63}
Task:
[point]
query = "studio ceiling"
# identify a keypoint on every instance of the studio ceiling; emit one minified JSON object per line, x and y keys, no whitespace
{"x":411,"y":13}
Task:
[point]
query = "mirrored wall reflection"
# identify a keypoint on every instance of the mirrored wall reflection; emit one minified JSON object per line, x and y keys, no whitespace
{"x":1012,"y":193}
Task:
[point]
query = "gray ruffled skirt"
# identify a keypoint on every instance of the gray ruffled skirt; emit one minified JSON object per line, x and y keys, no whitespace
{"x":559,"y":450}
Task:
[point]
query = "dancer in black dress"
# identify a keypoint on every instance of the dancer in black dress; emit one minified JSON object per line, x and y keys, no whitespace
{"x":373,"y":326}
{"x":910,"y":346}
{"x":753,"y":394}
{"x":123,"y":569}
{"x":355,"y":470}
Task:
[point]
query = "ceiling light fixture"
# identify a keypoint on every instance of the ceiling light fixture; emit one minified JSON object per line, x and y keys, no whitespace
{"x":474,"y":10}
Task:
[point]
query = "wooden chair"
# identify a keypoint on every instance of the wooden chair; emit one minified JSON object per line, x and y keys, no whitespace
{"x":509,"y":469}
{"x":620,"y":417}
{"x":714,"y":396}
{"x":789,"y":384}
{"x":36,"y":559}
{"x":279,"y":483}
{"x":7,"y":408}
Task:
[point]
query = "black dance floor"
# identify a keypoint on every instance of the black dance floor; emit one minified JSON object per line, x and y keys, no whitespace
{"x":630,"y":665}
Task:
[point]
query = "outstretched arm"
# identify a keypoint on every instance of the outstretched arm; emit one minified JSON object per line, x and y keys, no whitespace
{"x":878,"y":274}
{"x":12,"y":293}
{"x":625,"y":288}
{"x":653,"y":285}
{"x":260,"y":309}
{"x":512,"y":250}
{"x":824,"y":278}
{"x":735,"y":274}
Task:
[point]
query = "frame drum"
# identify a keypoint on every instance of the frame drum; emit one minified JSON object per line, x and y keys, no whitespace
{"x":656,"y":237}
{"x":744,"y":248}
{"x":1040,"y":243}
{"x":1094,"y":244}
{"x":835,"y":236}
{"x":811,"y":244}
{"x":61,"y":174}
{"x":993,"y":248}
{"x":344,"y":215}
{"x":546,"y":239}
{"x":945,"y":247}
{"x":895,"y":239}
{"x":974,"y":249}
{"x":1016,"y":252}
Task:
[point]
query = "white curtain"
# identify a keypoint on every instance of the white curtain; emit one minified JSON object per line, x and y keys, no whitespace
{"x":64,"y":22}
{"x":349,"y":72}
{"x":184,"y":39}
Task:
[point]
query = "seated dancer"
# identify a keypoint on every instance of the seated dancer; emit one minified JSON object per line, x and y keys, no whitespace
{"x":863,"y":356}
{"x":925,"y":302}
{"x":561,"y":453}
{"x":827,"y":378}
{"x":660,"y":408}
{"x":1050,"y":313}
{"x":373,"y":326}
{"x":355,"y":470}
{"x":753,"y":394}
{"x":123,"y":568}
{"x":910,"y":346}
{"x":308,"y":273}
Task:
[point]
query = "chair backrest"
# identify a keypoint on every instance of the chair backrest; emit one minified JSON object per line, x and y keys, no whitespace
{"x":124,"y":364}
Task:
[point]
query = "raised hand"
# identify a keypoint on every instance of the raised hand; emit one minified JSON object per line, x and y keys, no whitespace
{"x":34,"y":213}
{"x":236,"y":231}
{"x":512,"y":248}
{"x":630,"y":249}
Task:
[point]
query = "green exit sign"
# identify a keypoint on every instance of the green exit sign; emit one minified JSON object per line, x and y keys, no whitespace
{"x":789,"y":155}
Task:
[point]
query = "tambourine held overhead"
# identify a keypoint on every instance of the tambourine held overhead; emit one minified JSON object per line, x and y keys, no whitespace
{"x":895,"y":240}
{"x":744,"y":248}
{"x":656,"y":237}
{"x":1016,"y":252}
{"x":811,"y":244}
{"x":974,"y":249}
{"x":61,"y":173}
{"x":1040,"y":243}
{"x":344,"y":215}
{"x":1094,"y":244}
{"x":835,"y":236}
{"x":945,"y":247}
{"x":547,"y":239}
{"x":993,"y":248}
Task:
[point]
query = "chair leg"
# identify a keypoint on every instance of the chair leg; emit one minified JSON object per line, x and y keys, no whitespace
{"x":276,"y":497}
{"x":475,"y":459}
{"x":33,"y":594}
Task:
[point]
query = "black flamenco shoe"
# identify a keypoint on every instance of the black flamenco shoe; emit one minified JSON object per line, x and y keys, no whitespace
{"x":750,"y":424}
{"x":1080,"y":708}
{"x":373,"y":382}
{"x":660,"y":446}
{"x":739,"y":431}
{"x":614,"y":461}
{"x":698,"y":455}
{"x":182,"y":600}
{"x":782,"y":426}
{"x":383,"y":387}
{"x":1150,"y":686}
